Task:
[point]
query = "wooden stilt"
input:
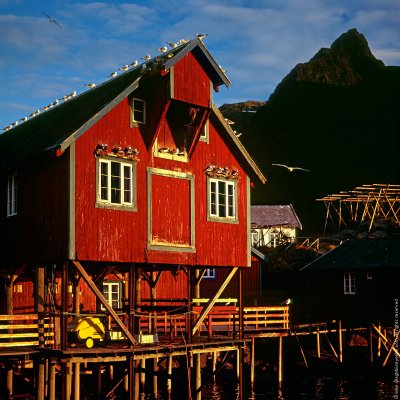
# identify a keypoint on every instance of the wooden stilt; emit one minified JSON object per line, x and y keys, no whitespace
{"x":214,"y":364}
{"x":142,"y":374}
{"x":340,"y":341}
{"x":68,"y":380}
{"x":169,"y":377}
{"x":99,"y":383}
{"x":155,"y":377}
{"x":240,"y":373}
{"x":280,"y":362}
{"x":252,"y":362}
{"x":77,"y":380}
{"x":378,"y":352}
{"x":318,"y":344}
{"x":52,"y":380}
{"x":10,"y":373}
{"x":40,"y":380}
{"x":198,"y":376}
{"x":137,"y":380}
{"x":331,"y":346}
{"x":111,"y":372}
{"x":131,"y":377}
{"x":238,"y":363}
{"x":371,"y":345}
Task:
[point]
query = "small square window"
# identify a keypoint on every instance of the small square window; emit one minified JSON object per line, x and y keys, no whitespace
{"x":209,"y":274}
{"x":112,"y":291}
{"x":138,"y":111}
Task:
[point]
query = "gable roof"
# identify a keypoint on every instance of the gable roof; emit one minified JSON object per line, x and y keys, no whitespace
{"x":58,"y":127}
{"x":268,"y":216}
{"x":360,"y":254}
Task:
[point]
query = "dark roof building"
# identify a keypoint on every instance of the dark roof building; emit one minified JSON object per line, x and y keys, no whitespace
{"x":358,"y":281}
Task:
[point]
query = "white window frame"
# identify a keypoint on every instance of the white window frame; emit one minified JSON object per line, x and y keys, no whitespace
{"x":12,"y":194}
{"x":209,"y":274}
{"x":255,"y":238}
{"x":135,"y":110}
{"x":204,"y":134}
{"x":225,"y":210}
{"x":108,"y":294}
{"x":349,"y":283}
{"x":106,"y":185}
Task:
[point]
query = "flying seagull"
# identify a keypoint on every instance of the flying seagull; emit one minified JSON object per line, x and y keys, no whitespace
{"x":51,"y":19}
{"x":291,"y":169}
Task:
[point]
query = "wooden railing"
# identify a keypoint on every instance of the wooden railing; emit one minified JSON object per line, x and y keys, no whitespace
{"x":222,"y":319}
{"x":26,"y":330}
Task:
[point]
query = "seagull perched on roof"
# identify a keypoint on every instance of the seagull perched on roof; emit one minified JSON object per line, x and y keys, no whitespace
{"x":133,"y":63}
{"x":172,"y":44}
{"x":183,"y":41}
{"x":124,"y":68}
{"x":163,"y":49}
{"x":291,"y":169}
{"x":146,"y":57}
{"x":51,"y":19}
{"x":90,"y":85}
{"x":113,"y":75}
{"x":201,"y":35}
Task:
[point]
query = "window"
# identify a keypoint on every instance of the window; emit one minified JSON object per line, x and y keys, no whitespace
{"x":112,"y":293}
{"x":349,"y":283}
{"x":210,"y":273}
{"x":115,"y":185}
{"x":254,"y":238}
{"x":204,"y":133}
{"x":222,"y":200}
{"x":12,"y":194}
{"x":138,"y":111}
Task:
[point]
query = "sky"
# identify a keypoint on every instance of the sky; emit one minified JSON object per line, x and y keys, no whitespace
{"x":257,"y":42}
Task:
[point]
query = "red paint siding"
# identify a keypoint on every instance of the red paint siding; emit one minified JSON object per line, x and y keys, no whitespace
{"x":170,"y":210}
{"x":191,"y":83}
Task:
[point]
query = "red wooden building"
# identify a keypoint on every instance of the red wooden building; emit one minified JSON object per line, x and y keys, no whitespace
{"x":138,"y":186}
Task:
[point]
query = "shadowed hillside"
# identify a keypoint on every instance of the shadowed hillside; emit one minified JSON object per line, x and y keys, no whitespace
{"x":336,"y":115}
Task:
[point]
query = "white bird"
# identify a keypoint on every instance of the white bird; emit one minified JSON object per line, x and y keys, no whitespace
{"x":51,"y":19}
{"x":201,"y":35}
{"x":124,"y":68}
{"x":24,"y":119}
{"x":210,"y":168}
{"x":133,"y":63}
{"x":163,"y":49}
{"x":291,"y":169}
{"x":163,"y":150}
{"x":113,"y":75}
{"x":6,"y":128}
{"x":183,"y":41}
{"x":37,"y":112}
{"x":286,"y":302}
{"x":55,"y":102}
{"x":146,"y":57}
{"x":14,"y":124}
{"x":90,"y":85}
{"x":172,"y":44}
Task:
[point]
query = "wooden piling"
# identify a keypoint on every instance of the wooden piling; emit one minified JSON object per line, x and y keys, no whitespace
{"x":340,"y":341}
{"x":378,"y":351}
{"x":198,"y":376}
{"x":214,"y":364}
{"x":77,"y":380}
{"x":318,"y":344}
{"x":52,"y":380}
{"x":371,"y":345}
{"x":142,"y":373}
{"x":252,"y":362}
{"x":280,"y":362}
{"x":169,"y":377}
{"x":155,"y":377}
{"x":137,"y":381}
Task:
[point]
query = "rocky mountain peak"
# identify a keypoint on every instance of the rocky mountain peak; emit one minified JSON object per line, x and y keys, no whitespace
{"x":348,"y":61}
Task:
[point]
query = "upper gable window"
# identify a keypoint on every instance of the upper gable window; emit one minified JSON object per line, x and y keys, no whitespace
{"x":222,"y":200}
{"x":138,"y":111}
{"x":12,"y":194}
{"x":116,"y":183}
{"x":204,"y":133}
